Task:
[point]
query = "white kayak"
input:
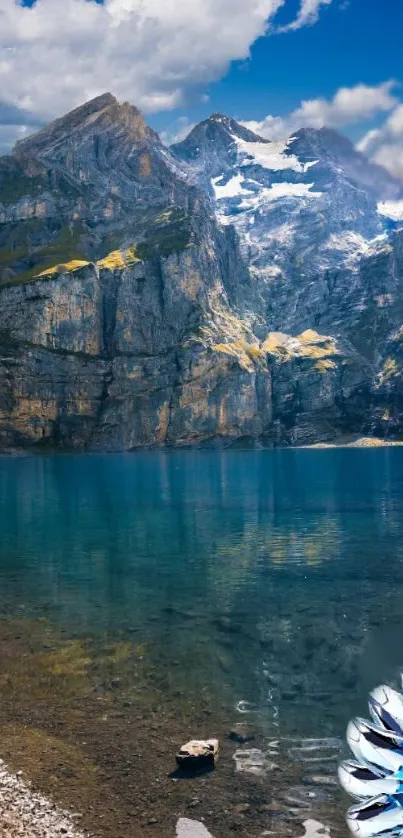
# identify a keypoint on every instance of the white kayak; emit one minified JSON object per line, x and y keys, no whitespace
{"x":382,"y":815}
{"x":386,"y":708}
{"x":381,"y":748}
{"x":364,"y":781}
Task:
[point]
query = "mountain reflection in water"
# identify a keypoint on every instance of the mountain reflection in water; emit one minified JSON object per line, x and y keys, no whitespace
{"x":273,"y":578}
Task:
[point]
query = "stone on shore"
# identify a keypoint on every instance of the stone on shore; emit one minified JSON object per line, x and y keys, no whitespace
{"x":198,"y":753}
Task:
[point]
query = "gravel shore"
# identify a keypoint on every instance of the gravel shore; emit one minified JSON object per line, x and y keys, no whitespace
{"x":26,"y":814}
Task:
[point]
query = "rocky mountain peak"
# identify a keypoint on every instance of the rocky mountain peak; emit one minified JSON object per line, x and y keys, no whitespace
{"x":233,"y":128}
{"x":94,"y":117}
{"x":219,"y":132}
{"x":211,"y":148}
{"x":80,"y":181}
{"x":325,"y":140}
{"x":338,"y":152}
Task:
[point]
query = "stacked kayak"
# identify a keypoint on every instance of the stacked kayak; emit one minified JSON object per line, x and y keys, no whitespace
{"x":375,"y":775}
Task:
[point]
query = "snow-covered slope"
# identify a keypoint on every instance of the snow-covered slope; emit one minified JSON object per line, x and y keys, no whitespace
{"x":303,"y":208}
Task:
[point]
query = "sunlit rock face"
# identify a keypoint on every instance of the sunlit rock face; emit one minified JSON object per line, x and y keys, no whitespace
{"x":229,"y":289}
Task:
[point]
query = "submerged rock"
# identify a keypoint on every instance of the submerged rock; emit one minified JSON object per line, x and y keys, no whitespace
{"x":253,"y":761}
{"x":186,"y":828}
{"x":314,"y":829}
{"x":198,"y":753}
{"x":242,"y":732}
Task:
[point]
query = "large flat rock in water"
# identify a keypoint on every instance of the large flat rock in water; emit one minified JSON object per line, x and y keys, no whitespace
{"x":186,"y":828}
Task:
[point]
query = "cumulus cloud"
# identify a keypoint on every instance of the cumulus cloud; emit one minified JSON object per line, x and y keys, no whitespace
{"x":349,"y":106}
{"x":55,"y":55}
{"x":177,"y":131}
{"x":385,"y":145}
{"x":308,"y":14}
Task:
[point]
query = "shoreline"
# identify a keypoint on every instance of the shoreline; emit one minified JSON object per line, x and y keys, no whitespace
{"x":348,"y":441}
{"x":27,"y":813}
{"x":354,"y":442}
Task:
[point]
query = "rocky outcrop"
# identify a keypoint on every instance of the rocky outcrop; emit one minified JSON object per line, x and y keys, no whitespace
{"x":129,"y":318}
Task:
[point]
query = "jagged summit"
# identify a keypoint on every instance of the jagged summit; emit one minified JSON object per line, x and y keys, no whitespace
{"x":94,"y":179}
{"x":211,"y":148}
{"x":98,"y":114}
{"x":219,"y":131}
{"x":336,"y":150}
{"x":234,"y":128}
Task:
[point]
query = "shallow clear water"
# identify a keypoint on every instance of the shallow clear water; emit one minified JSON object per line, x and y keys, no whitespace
{"x":274,"y":578}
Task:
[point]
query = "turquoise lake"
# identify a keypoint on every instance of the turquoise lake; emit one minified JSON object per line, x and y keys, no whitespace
{"x":271,"y":582}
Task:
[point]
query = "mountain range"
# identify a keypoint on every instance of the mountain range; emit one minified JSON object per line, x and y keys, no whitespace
{"x":226,"y":290}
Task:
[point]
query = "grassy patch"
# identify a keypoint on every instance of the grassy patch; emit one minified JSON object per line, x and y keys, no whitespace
{"x":29,"y":261}
{"x":389,"y":370}
{"x":244,"y":353}
{"x":170,"y":233}
{"x":15,"y":185}
{"x":67,"y":267}
{"x":112,"y":261}
{"x":324,"y":365}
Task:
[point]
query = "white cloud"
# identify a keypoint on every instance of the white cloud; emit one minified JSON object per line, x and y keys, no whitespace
{"x":177,"y":132}
{"x":308,"y":14}
{"x":55,"y":55}
{"x":350,"y":105}
{"x":385,"y":145}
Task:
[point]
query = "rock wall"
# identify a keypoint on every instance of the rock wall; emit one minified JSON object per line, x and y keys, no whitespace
{"x":152,"y":354}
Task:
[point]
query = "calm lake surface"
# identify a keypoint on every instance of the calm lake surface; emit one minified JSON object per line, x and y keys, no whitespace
{"x":258,"y":586}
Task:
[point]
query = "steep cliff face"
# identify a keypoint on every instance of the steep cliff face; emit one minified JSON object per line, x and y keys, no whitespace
{"x":319,"y":227}
{"x":129,"y":317}
{"x":149,"y":353}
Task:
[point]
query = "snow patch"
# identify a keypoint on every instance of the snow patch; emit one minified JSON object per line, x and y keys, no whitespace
{"x":271,"y":156}
{"x":348,"y":241}
{"x":350,"y":247}
{"x":314,"y":829}
{"x":308,"y":165}
{"x":224,"y":219}
{"x":232,"y":189}
{"x":280,"y":190}
{"x":391,"y":209}
{"x":173,"y":164}
{"x":284,"y":234}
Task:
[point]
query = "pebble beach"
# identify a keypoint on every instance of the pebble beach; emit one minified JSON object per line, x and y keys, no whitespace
{"x":24,"y":813}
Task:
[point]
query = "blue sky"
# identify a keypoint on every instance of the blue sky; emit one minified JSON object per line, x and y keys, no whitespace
{"x":358,"y":41}
{"x":180,"y":60}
